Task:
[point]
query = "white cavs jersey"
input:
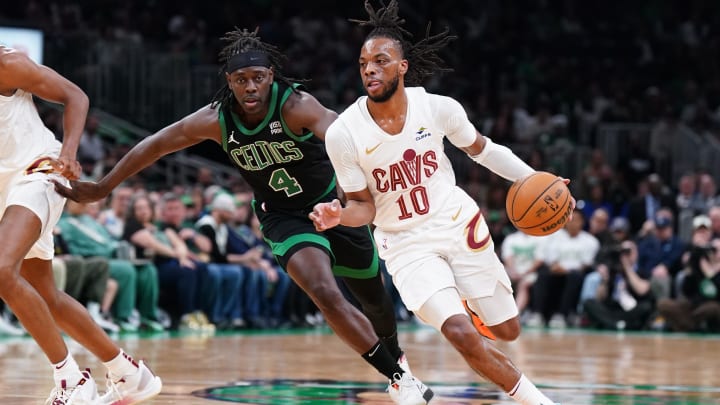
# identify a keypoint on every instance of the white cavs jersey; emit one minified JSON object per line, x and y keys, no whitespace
{"x":23,"y":135}
{"x":408,"y":174}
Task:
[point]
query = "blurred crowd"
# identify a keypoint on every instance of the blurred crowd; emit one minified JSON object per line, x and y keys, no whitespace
{"x":641,"y":252}
{"x":522,"y":68}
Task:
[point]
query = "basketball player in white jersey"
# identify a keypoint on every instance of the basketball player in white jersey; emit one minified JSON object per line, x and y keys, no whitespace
{"x":387,"y":150}
{"x":30,"y":158}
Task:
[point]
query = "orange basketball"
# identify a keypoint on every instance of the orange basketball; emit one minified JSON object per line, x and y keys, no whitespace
{"x":538,"y":204}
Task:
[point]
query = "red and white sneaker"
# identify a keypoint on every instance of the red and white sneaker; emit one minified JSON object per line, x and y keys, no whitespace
{"x":82,"y":393}
{"x":408,"y":390}
{"x":132,"y":388}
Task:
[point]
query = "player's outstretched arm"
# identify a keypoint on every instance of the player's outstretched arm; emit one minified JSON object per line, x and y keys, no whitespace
{"x":20,"y":72}
{"x":196,"y":127}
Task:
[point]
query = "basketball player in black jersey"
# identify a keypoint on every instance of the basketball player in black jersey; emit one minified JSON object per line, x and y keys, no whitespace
{"x":273,"y":132}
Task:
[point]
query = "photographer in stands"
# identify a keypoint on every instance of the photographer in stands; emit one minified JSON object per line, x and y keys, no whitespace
{"x":622,"y":297}
{"x":698,"y":306}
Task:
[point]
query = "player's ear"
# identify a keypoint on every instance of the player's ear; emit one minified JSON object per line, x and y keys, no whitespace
{"x":271,"y":74}
{"x":403,"y":66}
{"x":227,"y":79}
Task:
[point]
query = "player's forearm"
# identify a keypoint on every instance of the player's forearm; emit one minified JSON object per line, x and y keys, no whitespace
{"x":142,"y":155}
{"x":357,"y":213}
{"x":74,"y":117}
{"x":502,"y":161}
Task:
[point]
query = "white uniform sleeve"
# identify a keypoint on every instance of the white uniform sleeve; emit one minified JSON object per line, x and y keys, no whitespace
{"x":343,"y":156}
{"x":454,"y":120}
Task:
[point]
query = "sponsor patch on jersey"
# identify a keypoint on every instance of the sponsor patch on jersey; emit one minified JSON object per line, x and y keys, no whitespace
{"x":422,"y":133}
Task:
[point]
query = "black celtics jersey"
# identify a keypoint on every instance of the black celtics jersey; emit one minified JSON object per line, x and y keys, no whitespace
{"x":287,"y":171}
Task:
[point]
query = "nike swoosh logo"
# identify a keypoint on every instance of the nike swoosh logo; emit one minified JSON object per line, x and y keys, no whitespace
{"x":371,"y":150}
{"x":457,"y":214}
{"x":61,"y":365}
{"x":372,"y":353}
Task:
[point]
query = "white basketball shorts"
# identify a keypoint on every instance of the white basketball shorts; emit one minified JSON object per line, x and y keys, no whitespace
{"x":451,"y":250}
{"x":35,"y":192}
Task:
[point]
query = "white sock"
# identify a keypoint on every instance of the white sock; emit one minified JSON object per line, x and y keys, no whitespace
{"x":121,"y":365}
{"x":526,"y":393}
{"x":67,"y":370}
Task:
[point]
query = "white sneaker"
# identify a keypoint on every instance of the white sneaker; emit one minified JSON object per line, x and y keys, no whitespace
{"x":133,"y":388}
{"x":557,"y":322}
{"x":408,"y":390}
{"x":83,"y":393}
{"x":403,"y":363}
{"x":109,"y":326}
{"x":532,"y":320}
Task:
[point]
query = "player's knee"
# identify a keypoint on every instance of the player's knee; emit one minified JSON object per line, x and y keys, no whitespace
{"x":10,"y":276}
{"x":326,"y":296}
{"x":460,"y":332}
{"x":508,"y":330}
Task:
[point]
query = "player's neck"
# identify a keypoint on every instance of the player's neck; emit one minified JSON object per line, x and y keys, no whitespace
{"x":390,"y":115}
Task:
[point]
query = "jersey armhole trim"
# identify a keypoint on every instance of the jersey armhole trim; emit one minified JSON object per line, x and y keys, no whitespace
{"x":223,"y":127}
{"x":288,"y":132}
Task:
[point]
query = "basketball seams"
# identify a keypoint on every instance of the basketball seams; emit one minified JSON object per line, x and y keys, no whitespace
{"x":559,"y":212}
{"x":516,"y":187}
{"x":540,"y":195}
{"x":538,"y":205}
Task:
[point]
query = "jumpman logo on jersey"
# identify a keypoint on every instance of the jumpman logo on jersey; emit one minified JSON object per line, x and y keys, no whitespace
{"x":231,"y":138}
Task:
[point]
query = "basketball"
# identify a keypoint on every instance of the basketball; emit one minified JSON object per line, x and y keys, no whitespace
{"x":538,"y":204}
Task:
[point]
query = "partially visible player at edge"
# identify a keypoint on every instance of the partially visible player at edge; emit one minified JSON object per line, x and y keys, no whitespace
{"x":273,"y":132}
{"x":30,"y":158}
{"x":387,"y":150}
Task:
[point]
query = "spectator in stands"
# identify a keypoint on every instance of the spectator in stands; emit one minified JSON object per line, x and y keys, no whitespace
{"x":113,"y":218}
{"x":615,"y":295}
{"x":220,"y":286}
{"x":660,"y":253}
{"x":708,"y":191}
{"x":178,"y":274}
{"x":566,"y":256}
{"x":85,"y":237}
{"x":689,"y":204}
{"x":278,"y":280}
{"x":698,"y":308}
{"x":214,"y":226}
{"x":598,"y":226}
{"x":92,"y":149}
{"x":519,"y":254}
{"x":714,"y":215}
{"x":88,"y":281}
{"x":652,"y":195}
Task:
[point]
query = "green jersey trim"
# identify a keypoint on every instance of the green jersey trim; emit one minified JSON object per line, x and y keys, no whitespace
{"x":281,"y":248}
{"x":263,"y":124}
{"x":287,"y":130}
{"x":327,"y":191}
{"x":223,"y":128}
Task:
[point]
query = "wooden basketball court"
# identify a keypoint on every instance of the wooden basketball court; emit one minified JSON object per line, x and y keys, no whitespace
{"x":314,"y":367}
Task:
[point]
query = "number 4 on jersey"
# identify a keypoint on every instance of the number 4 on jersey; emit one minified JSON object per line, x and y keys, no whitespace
{"x":280,"y":180}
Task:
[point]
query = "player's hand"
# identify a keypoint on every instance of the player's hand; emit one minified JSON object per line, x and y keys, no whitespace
{"x":66,"y":167}
{"x":80,"y":191}
{"x":326,"y":215}
{"x":572,"y":200}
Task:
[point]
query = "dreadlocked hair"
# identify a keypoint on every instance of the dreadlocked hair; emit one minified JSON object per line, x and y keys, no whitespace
{"x":242,"y":40}
{"x":422,"y":57}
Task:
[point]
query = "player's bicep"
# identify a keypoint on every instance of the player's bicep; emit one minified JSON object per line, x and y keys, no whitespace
{"x":343,"y":157}
{"x":305,"y":112}
{"x":455,"y":123}
{"x":191,"y":130}
{"x":43,"y":82}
